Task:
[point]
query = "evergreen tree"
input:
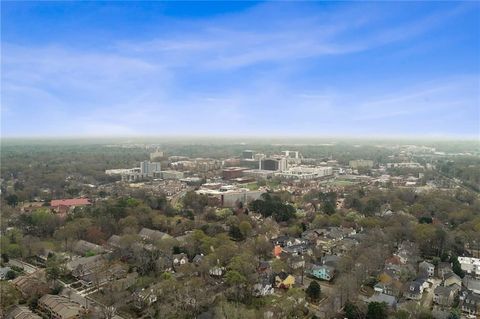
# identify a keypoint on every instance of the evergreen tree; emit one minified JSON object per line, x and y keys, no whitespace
{"x":313,"y":291}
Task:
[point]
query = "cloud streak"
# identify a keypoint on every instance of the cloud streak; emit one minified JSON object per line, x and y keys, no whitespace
{"x":225,"y":76}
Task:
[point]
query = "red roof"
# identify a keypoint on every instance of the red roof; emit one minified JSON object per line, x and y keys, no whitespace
{"x":70,"y":202}
{"x":394,"y":260}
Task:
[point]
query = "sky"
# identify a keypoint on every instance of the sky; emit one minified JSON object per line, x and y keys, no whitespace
{"x":240,"y":68}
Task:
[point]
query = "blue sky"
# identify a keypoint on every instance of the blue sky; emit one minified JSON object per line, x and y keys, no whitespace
{"x":241,"y":68}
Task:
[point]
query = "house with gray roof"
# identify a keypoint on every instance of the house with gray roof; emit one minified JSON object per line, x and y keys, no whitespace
{"x":59,"y":307}
{"x":152,"y":235}
{"x":21,"y":312}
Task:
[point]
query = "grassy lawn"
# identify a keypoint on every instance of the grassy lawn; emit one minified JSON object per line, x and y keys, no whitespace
{"x":343,"y":183}
{"x":252,"y":186}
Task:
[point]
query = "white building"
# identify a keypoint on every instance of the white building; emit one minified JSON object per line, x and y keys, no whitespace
{"x":230,"y":196}
{"x":305,"y":172}
{"x":149,"y":168}
{"x":156,"y":154}
{"x":171,"y":175}
{"x":470,"y":265}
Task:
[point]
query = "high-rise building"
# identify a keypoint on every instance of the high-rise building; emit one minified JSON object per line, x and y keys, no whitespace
{"x":149,"y":168}
{"x":274,"y":164}
{"x":361,"y":164}
{"x":248,"y":154}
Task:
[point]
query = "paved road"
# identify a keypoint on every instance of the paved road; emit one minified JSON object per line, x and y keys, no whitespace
{"x":175,"y":198}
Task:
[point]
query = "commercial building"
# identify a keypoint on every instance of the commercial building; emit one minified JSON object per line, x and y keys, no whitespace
{"x":305,"y":172}
{"x":230,"y":196}
{"x":233,"y":172}
{"x":149,"y":168}
{"x":470,"y":265}
{"x":274,"y":164}
{"x":361,"y":164}
{"x":248,"y":154}
{"x":156,"y":154}
{"x":171,"y":175}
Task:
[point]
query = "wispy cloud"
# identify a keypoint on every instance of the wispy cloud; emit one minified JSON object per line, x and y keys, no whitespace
{"x":221,"y":75}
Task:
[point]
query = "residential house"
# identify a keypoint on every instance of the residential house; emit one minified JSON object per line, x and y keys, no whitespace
{"x":21,"y":312}
{"x":443,"y":268}
{"x":84,"y":266}
{"x":59,"y":307}
{"x":405,"y":251}
{"x":114,"y":242}
{"x":344,"y":245}
{"x":263,"y":287}
{"x":95,"y":269}
{"x":296,"y":262}
{"x":145,"y":297}
{"x":472,"y":284}
{"x":323,"y":272}
{"x":3,"y":272}
{"x":30,"y":286}
{"x":391,"y":288}
{"x":164,"y":263}
{"x":415,"y":289}
{"x":282,"y":241}
{"x":284,"y":280}
{"x":286,"y":241}
{"x":470,"y":303}
{"x":197,"y":259}
{"x":83,"y":248}
{"x":63,"y":206}
{"x":391,"y":301}
{"x":148,"y":234}
{"x":426,"y":269}
{"x":217,"y":271}
{"x":444,"y":296}
{"x":179,"y":259}
{"x":264,"y":267}
{"x":298,"y":249}
{"x":277,"y":250}
{"x":451,"y":278}
{"x":330,"y":260}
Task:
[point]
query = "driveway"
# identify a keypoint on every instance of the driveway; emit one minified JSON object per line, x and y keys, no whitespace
{"x":428,"y":298}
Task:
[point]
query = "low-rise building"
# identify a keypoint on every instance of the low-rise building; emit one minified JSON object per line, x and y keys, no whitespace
{"x":152,"y":235}
{"x":30,"y":286}
{"x":470,"y":303}
{"x":59,"y":307}
{"x":470,"y":265}
{"x":415,"y":289}
{"x":426,"y":268}
{"x":323,"y":272}
{"x":21,"y":312}
{"x":284,"y":280}
{"x":84,"y":247}
{"x":444,"y":296}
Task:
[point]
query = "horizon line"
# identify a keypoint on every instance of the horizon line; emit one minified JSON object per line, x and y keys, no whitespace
{"x":439,"y":137}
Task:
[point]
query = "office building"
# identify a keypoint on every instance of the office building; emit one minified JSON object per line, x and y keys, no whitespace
{"x":274,"y":164}
{"x":149,"y":168}
{"x":361,"y":164}
{"x":248,"y":154}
